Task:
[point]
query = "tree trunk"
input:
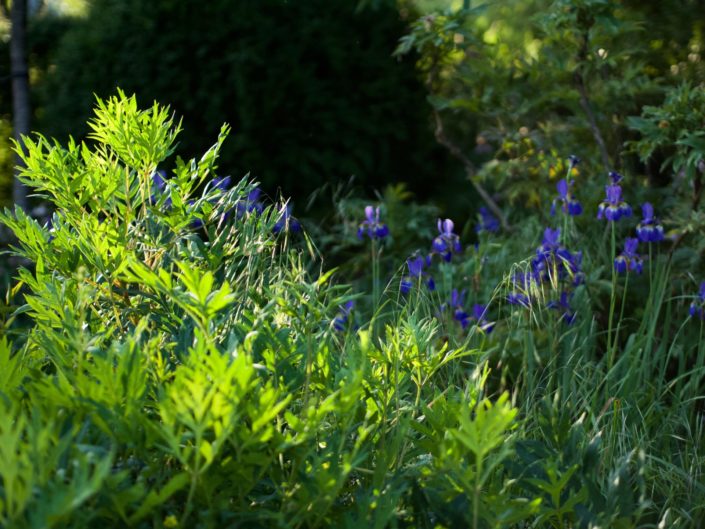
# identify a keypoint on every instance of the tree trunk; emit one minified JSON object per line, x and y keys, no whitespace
{"x":21,"y":111}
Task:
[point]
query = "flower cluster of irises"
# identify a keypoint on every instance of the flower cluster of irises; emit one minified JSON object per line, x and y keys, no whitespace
{"x":552,"y":264}
{"x":444,"y":246}
{"x":251,"y":204}
{"x":477,"y":316}
{"x":649,"y":230}
{"x":565,"y":200}
{"x":557,"y":265}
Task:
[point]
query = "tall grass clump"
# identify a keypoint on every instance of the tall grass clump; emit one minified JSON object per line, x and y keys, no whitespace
{"x":175,"y":355}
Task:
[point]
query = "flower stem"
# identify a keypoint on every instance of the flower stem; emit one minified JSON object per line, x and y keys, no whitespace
{"x":375,"y":282}
{"x":651,"y":278}
{"x":610,"y":345}
{"x":621,"y":310}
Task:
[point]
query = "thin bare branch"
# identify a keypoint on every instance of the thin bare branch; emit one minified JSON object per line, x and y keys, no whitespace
{"x":443,"y":139}
{"x":585,"y":104}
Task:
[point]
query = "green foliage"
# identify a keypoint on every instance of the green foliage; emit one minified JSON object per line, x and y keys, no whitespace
{"x":173,"y":357}
{"x":47,"y":473}
{"x":527,"y":83}
{"x":672,"y":133}
{"x":676,"y":124}
{"x":467,"y":452}
{"x":169,"y":373}
{"x":532,"y":83}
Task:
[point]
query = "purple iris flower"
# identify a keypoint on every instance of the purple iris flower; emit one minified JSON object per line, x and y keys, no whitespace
{"x":405,"y":285}
{"x":613,"y":207}
{"x":521,"y":286}
{"x":697,"y":307}
{"x":158,"y":188}
{"x":447,"y":243}
{"x":551,"y":239}
{"x":159,"y":179}
{"x":649,"y":229}
{"x":286,"y":221}
{"x":615,"y":177}
{"x":372,"y":226}
{"x":568,"y":204}
{"x":416,"y":265}
{"x":456,"y":304}
{"x":457,"y":300}
{"x":478,"y":314}
{"x":629,"y":259}
{"x":221,"y":183}
{"x":341,"y":320}
{"x":518,"y":298}
{"x":562,"y":304}
{"x":488,"y":222}
{"x":553,"y":258}
{"x":196,"y":223}
{"x":251,"y":203}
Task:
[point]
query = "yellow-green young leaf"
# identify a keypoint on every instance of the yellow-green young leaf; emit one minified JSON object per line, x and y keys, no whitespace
{"x":268,"y":408}
{"x":322,"y":280}
{"x":486,"y":430}
{"x":12,"y":368}
{"x":166,"y":279}
{"x":206,"y":450}
{"x":220,"y":299}
{"x":205,"y":286}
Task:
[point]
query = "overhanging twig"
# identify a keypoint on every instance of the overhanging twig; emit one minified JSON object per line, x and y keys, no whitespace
{"x":454,"y":150}
{"x":585,"y":103}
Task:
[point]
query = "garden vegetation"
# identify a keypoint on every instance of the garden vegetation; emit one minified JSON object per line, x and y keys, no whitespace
{"x":177,"y":350}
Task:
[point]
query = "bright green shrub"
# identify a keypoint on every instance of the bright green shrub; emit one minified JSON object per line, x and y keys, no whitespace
{"x":174,"y":361}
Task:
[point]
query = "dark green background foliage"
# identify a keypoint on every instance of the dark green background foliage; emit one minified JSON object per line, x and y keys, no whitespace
{"x":310,"y":88}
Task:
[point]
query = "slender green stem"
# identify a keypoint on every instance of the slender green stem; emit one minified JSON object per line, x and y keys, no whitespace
{"x":651,"y":276}
{"x":552,"y":363}
{"x":697,"y":372}
{"x":565,"y":213}
{"x":621,"y":310}
{"x":194,"y":481}
{"x":529,"y":361}
{"x":610,"y":348}
{"x":375,"y":283}
{"x":308,"y":368}
{"x":476,"y":493}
